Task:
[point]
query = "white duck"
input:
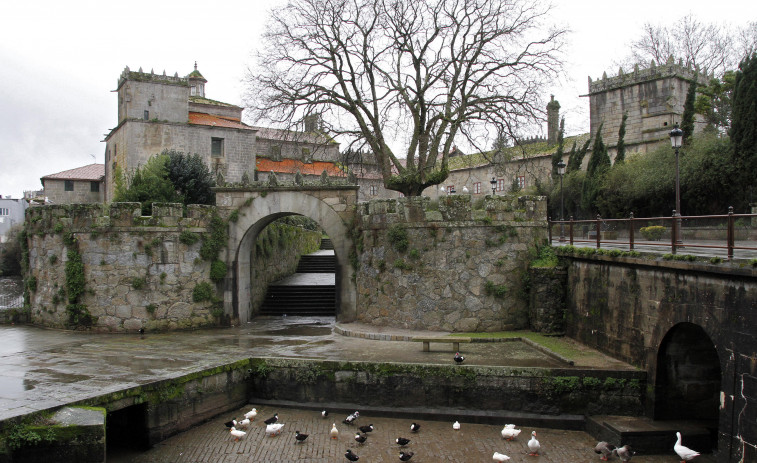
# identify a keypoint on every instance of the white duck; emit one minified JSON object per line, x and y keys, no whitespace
{"x":251,"y":414}
{"x":236,"y":433}
{"x":509,"y":432}
{"x":500,"y":457}
{"x":456,"y":425}
{"x":244,"y":423}
{"x":685,"y":453}
{"x":334,"y":431}
{"x":604,"y":450}
{"x":624,"y":453}
{"x":533,"y":444}
{"x":273,"y":429}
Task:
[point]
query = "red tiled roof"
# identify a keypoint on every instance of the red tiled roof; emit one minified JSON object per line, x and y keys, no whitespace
{"x":217,"y":121}
{"x":91,"y":172}
{"x":291,"y":166}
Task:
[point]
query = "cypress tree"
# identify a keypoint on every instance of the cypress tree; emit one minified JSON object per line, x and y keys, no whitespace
{"x":558,"y":154}
{"x":743,"y":131}
{"x":621,"y":156}
{"x":687,"y":120}
{"x":572,"y":160}
{"x":599,"y":164}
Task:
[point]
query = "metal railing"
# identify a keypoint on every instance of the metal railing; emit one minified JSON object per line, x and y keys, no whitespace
{"x":727,"y":232}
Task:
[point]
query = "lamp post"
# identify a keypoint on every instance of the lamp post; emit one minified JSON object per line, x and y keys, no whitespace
{"x":561,"y":172}
{"x":494,"y":186}
{"x":676,"y":139}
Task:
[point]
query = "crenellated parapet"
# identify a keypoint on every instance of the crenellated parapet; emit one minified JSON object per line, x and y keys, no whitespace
{"x":142,"y":76}
{"x":651,"y":73}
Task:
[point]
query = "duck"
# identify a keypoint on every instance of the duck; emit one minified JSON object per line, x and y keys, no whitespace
{"x":251,"y":414}
{"x":360,"y":438}
{"x":685,"y":453}
{"x":272,"y":419}
{"x":624,"y":453}
{"x":500,"y":457}
{"x":415,"y":427}
{"x":402,"y":441}
{"x":231,"y":423}
{"x":334,"y":432}
{"x":366,"y":429}
{"x":459,"y":358}
{"x":509,"y":432}
{"x":406,"y":456}
{"x":351,"y":456}
{"x":236,"y":433}
{"x":300,"y":437}
{"x":324,"y":414}
{"x":351,"y":418}
{"x":273,"y":429}
{"x":244,"y":423}
{"x":533,"y":445}
{"x":456,"y":425}
{"x":604,"y":450}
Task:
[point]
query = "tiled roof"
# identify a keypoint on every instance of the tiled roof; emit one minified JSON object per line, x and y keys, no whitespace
{"x":91,"y":172}
{"x":291,"y":166}
{"x":292,"y":136}
{"x":217,"y":121}
{"x":203,"y":100}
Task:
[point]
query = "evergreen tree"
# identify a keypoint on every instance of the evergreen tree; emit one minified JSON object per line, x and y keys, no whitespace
{"x":572,"y":160}
{"x":620,"y":157}
{"x":190,"y":177}
{"x":687,"y":120}
{"x":743,"y":131}
{"x":558,"y":154}
{"x":599,"y":164}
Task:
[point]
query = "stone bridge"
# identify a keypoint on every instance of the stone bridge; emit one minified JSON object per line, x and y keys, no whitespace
{"x":333,"y":207}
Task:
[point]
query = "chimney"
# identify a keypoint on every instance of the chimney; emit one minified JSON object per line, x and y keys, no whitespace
{"x":553,"y":120}
{"x":313,"y":123}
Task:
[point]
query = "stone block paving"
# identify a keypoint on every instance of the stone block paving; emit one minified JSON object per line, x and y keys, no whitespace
{"x":435,"y":442}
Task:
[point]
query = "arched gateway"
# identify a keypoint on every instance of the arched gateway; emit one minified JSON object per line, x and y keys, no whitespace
{"x":332,"y":207}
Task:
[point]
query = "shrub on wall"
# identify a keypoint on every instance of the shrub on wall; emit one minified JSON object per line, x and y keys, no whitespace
{"x":74,"y":276}
{"x":217,"y":271}
{"x":202,"y":292}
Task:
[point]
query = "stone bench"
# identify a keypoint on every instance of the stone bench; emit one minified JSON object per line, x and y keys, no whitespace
{"x":439,"y":339}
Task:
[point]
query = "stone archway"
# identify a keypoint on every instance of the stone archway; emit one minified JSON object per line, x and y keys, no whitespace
{"x":333,"y":208}
{"x":688,"y":380}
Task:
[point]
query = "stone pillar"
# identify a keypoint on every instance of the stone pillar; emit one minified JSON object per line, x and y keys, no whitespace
{"x":553,"y":120}
{"x":547,"y":300}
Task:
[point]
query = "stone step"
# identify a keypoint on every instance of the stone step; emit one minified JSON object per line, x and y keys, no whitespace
{"x":650,"y":437}
{"x":299,"y":300}
{"x":326,"y":243}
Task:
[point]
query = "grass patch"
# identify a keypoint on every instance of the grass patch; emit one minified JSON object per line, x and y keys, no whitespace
{"x":559,"y":345}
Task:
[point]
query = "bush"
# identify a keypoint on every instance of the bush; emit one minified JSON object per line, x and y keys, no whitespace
{"x":217,"y":271}
{"x":397,"y":236}
{"x":202,"y":292}
{"x":188,"y":238}
{"x":653,"y":232}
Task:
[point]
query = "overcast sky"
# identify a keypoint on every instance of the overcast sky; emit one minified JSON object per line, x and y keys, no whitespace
{"x":60,"y":60}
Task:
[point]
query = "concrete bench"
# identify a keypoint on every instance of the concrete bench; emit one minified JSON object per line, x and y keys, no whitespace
{"x":438,"y":339}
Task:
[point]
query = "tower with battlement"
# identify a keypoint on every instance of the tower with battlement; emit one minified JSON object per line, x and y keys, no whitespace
{"x":653,"y":99}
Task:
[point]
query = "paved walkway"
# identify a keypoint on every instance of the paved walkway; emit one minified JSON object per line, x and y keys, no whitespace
{"x":699,"y":248}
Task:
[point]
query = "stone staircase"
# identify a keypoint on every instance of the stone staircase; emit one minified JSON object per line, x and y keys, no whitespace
{"x":309,"y":292}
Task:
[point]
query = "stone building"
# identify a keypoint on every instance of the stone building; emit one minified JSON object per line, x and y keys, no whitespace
{"x":653,"y":99}
{"x":83,"y":185}
{"x":11,"y":213}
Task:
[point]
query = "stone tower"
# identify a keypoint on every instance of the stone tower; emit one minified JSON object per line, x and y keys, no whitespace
{"x":553,"y":120}
{"x":653,"y":98}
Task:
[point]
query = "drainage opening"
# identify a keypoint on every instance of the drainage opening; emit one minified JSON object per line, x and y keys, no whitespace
{"x":126,"y":430}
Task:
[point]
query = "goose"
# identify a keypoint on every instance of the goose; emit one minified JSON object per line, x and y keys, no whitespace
{"x":251,"y":414}
{"x":456,"y":425}
{"x":509,"y":432}
{"x":236,"y":433}
{"x":415,"y":427}
{"x":231,"y":423}
{"x":272,"y":419}
{"x":406,"y":456}
{"x":360,"y":438}
{"x":300,"y":437}
{"x":273,"y":429}
{"x":351,"y":418}
{"x":402,"y":441}
{"x":624,"y":453}
{"x":604,"y":450}
{"x":685,"y":453}
{"x":334,"y":432}
{"x":366,"y":429}
{"x":351,"y":456}
{"x":459,"y":358}
{"x":500,"y":457}
{"x":533,"y":445}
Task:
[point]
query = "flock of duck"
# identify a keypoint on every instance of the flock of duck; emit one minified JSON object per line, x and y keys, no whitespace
{"x":509,"y":432}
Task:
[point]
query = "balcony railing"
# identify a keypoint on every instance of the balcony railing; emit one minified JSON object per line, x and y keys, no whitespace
{"x":702,"y":234}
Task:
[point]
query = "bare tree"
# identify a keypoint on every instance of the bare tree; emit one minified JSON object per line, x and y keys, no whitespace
{"x":703,"y":45}
{"x":421,"y":72}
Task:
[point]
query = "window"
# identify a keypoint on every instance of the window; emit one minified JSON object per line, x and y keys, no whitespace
{"x":216,"y":147}
{"x":275,"y":153}
{"x":521,"y":181}
{"x":306,"y":156}
{"x":374,"y":190}
{"x":68,"y":185}
{"x":500,"y":184}
{"x":94,"y":187}
{"x":147,"y":115}
{"x":4,"y":211}
{"x":450,"y":189}
{"x":476,"y":188}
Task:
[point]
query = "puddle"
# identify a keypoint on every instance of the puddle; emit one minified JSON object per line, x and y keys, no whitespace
{"x":13,"y":387}
{"x":298,"y":330}
{"x":59,"y":377}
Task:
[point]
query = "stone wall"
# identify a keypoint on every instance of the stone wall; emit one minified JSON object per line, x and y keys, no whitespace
{"x":454,"y":269}
{"x":55,"y":191}
{"x":627,"y":307}
{"x":138,"y":272}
